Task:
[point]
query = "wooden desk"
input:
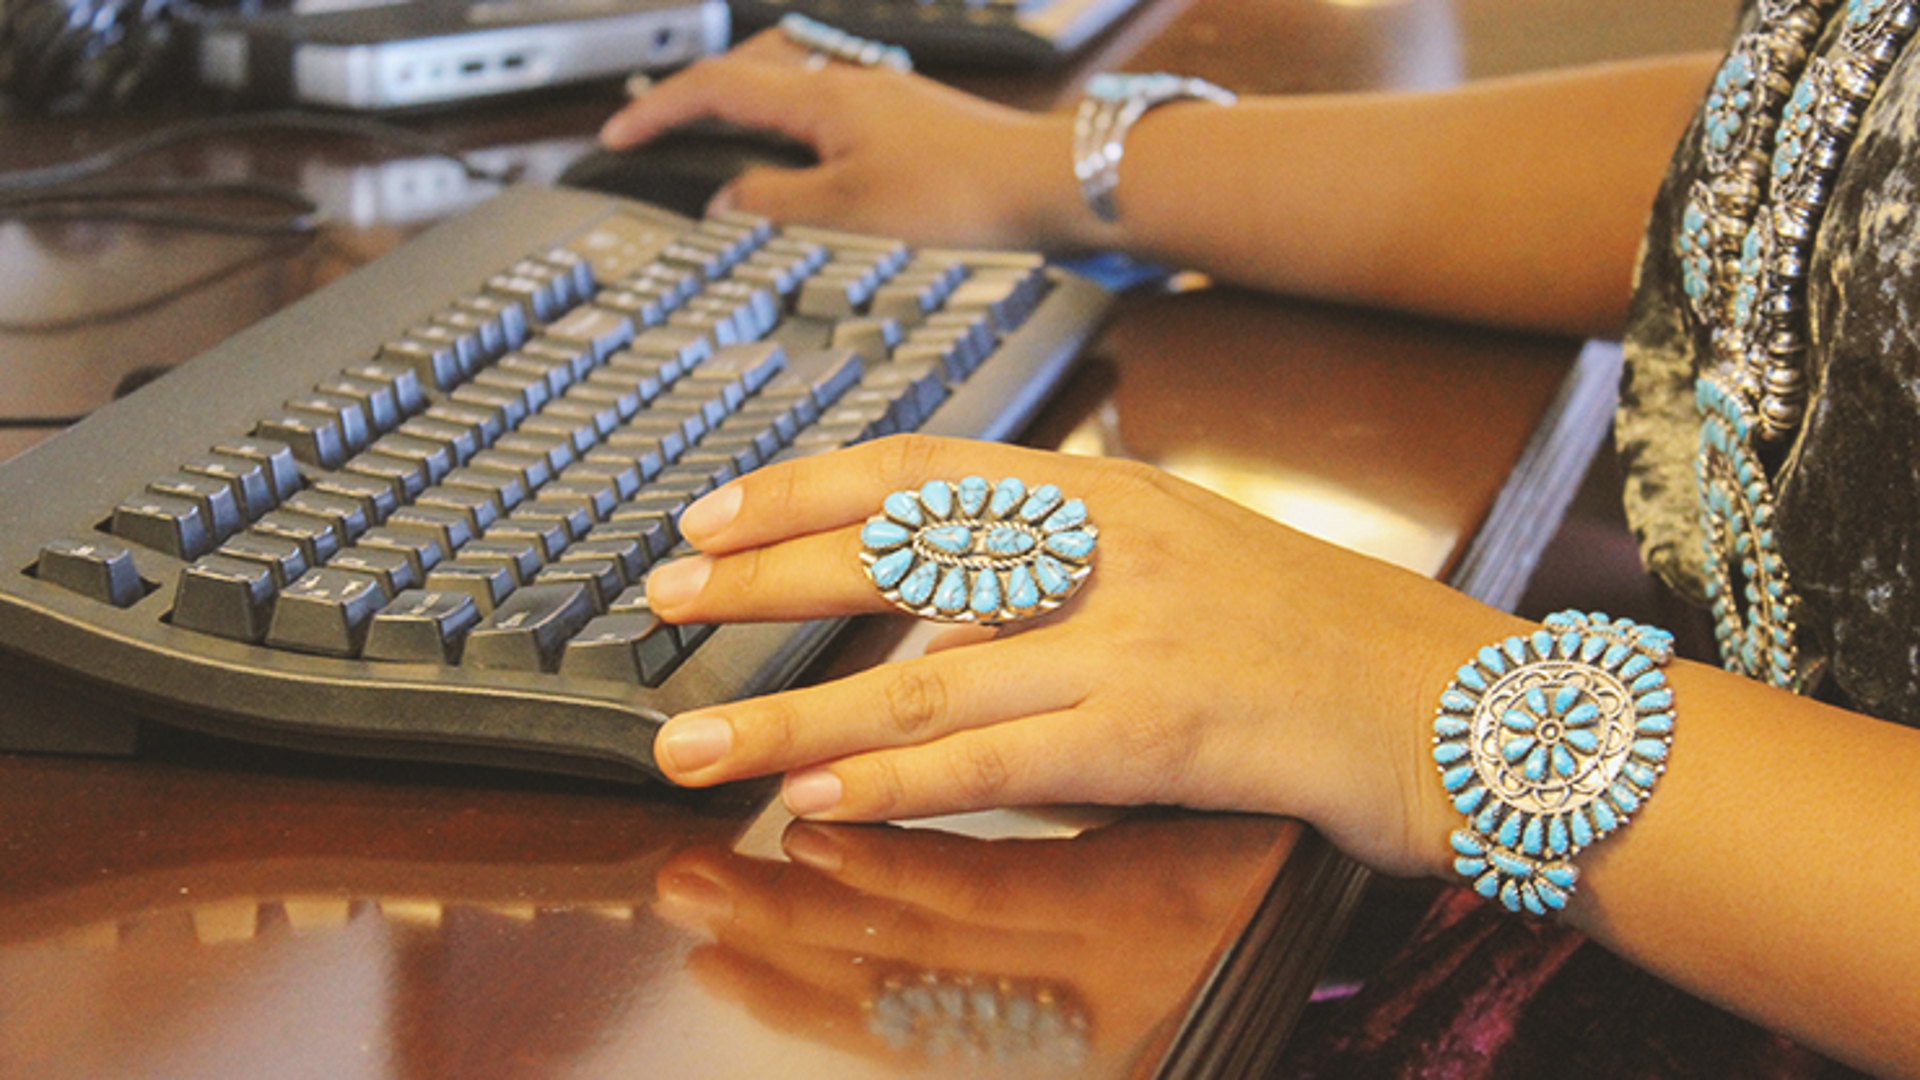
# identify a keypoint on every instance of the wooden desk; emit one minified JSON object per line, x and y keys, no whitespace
{"x":217,"y":911}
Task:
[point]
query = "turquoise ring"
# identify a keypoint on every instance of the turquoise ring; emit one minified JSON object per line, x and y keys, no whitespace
{"x":973,"y":551}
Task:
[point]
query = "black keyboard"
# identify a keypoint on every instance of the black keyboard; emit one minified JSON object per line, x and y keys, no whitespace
{"x":1006,"y":34}
{"x":410,"y":515}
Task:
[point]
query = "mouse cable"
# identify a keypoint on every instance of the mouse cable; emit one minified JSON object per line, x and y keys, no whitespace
{"x":50,"y":176}
{"x":98,"y":200}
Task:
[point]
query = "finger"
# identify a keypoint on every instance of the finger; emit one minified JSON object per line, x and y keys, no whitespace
{"x":1068,"y":755}
{"x":739,"y":89}
{"x":846,"y":487}
{"x":892,"y":705}
{"x":963,"y":880}
{"x":809,"y":577}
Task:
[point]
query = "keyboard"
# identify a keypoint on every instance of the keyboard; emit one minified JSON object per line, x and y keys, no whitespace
{"x":410,"y":515}
{"x":1003,"y":34}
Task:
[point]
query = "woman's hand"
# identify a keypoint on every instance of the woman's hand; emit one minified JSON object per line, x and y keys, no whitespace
{"x":899,"y":155}
{"x":1214,"y":659}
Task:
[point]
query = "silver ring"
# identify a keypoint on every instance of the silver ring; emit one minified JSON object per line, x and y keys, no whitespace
{"x":970,"y":551}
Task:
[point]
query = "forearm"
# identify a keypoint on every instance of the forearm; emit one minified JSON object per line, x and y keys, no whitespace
{"x":1771,"y":871}
{"x":1517,"y":202}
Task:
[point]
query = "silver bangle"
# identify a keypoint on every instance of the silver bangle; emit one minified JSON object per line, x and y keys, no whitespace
{"x":1112,"y":105}
{"x":829,"y":43}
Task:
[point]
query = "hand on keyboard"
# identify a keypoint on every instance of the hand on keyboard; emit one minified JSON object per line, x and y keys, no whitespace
{"x":1214,"y":658}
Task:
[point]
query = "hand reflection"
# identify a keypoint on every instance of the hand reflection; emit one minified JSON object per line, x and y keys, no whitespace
{"x":913,"y":943}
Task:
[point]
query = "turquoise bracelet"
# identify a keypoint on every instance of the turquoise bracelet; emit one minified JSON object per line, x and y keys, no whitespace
{"x":1548,"y":742}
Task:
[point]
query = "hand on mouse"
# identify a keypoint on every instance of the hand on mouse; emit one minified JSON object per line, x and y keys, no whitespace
{"x":1213,"y":659}
{"x":891,"y":145}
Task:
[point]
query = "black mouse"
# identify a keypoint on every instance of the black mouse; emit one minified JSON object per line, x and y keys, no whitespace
{"x":682,"y":168}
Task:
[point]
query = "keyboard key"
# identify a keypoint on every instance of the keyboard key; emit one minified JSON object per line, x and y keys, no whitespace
{"x":326,"y":612}
{"x":422,"y":627}
{"x":164,"y":523}
{"x":529,"y":630}
{"x":228,"y":597}
{"x":487,"y":582}
{"x":630,"y":646}
{"x":100,"y":569}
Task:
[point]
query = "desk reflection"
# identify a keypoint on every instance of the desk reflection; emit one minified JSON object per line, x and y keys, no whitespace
{"x":172,"y":921}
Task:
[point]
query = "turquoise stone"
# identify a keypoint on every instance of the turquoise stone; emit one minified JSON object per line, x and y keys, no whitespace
{"x":1536,"y":767}
{"x":1655,"y":724}
{"x":1581,"y":828}
{"x":1454,"y":701}
{"x":1450,"y":727}
{"x":1488,"y":885}
{"x":1075,"y":544}
{"x":1491,"y":659}
{"x":1542,"y":643}
{"x":1583,"y":714}
{"x":1447,"y":753}
{"x":1565,"y":698}
{"x":1651,"y":749}
{"x":1509,"y":865}
{"x":1560,"y":874}
{"x":1536,"y":700}
{"x":1517,"y":720}
{"x":1040,"y":503}
{"x":1530,"y":838}
{"x":1509,"y":833}
{"x":1563,"y":763}
{"x":1624,"y":798}
{"x":1469,"y":800}
{"x":1530,"y":899}
{"x":937,"y":498}
{"x":917,"y":588}
{"x":1071,"y":515}
{"x":1583,"y":740}
{"x":1613,"y":657}
{"x":1007,"y":496}
{"x":889,"y":569}
{"x":1469,"y":867}
{"x":1557,"y":836}
{"x":883,"y":534}
{"x":1658,"y":701}
{"x":986,"y":593}
{"x":1488,"y":818}
{"x":901,"y":506}
{"x":1639,"y":774}
{"x":1466,"y":843}
{"x":1022,"y":593}
{"x":1053,"y":578}
{"x":1516,"y":650}
{"x":1469,"y":677}
{"x":1515,"y":749}
{"x":1510,"y":896}
{"x":1652,"y":680}
{"x":951,"y":596}
{"x":1604,"y":820}
{"x":1554,"y":898}
{"x":1007,"y":540}
{"x":1453,"y":778}
{"x":953,"y":539}
{"x":973,"y":495}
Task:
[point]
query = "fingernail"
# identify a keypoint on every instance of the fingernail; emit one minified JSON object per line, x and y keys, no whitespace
{"x":691,"y":743}
{"x":694,"y":898}
{"x":675,"y":583}
{"x":814,"y":847}
{"x":722,"y":201}
{"x":815,"y":791}
{"x":710,"y":514}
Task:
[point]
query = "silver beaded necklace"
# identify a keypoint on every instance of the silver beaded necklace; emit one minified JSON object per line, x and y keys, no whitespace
{"x":1779,"y":120}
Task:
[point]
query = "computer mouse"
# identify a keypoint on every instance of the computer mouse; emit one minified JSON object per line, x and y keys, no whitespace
{"x":681,"y":169}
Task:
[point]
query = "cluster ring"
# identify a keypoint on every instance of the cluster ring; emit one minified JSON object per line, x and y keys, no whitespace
{"x":973,"y":551}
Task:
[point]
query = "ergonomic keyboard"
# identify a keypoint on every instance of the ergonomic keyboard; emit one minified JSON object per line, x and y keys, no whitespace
{"x":1007,"y":34}
{"x":410,"y":515}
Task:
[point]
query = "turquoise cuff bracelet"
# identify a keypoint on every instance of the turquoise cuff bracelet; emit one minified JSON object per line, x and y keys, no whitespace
{"x":1547,"y":743}
{"x":970,"y":551}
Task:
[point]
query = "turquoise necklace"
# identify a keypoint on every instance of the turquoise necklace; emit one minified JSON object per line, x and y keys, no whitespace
{"x":1779,"y":120}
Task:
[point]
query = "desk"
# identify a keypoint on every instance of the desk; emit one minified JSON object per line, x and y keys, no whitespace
{"x":216,"y":911}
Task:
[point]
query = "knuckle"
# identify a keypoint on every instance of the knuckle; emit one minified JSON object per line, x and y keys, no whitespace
{"x":882,"y":790}
{"x":908,"y":458}
{"x":916,"y":700}
{"x":980,"y":773}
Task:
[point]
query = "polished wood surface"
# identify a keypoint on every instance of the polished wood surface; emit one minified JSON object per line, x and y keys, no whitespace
{"x":213,"y":911}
